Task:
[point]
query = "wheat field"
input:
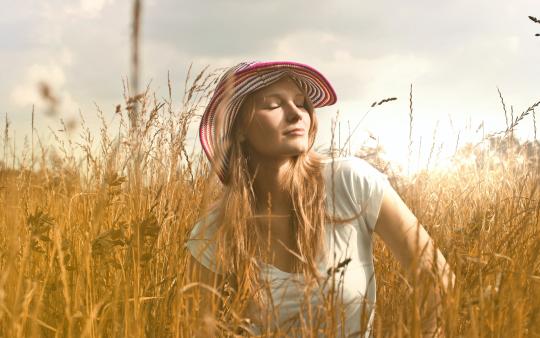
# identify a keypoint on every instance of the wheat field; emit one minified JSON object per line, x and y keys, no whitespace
{"x":93,"y":234}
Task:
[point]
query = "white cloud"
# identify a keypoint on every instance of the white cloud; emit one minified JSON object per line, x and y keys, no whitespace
{"x":56,"y":15}
{"x":27,"y":91}
{"x":92,"y":8}
{"x":54,"y":10}
{"x":513,"y":43}
{"x":52,"y":73}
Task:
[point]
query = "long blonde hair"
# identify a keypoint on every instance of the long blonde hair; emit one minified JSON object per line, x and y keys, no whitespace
{"x":238,"y":237}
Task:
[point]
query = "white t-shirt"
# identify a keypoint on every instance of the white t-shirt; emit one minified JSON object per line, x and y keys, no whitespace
{"x":358,"y":188}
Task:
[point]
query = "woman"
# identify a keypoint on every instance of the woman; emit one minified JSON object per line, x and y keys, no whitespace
{"x":292,"y":231}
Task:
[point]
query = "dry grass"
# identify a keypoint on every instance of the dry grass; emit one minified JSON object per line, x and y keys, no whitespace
{"x":93,"y":248}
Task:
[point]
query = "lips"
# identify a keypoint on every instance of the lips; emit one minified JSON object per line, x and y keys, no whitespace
{"x":295,"y":131}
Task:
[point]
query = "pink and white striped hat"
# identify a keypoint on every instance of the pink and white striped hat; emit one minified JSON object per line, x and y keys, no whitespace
{"x":239,"y":81}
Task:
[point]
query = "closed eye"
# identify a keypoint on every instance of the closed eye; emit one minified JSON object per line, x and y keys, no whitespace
{"x":300,"y":103}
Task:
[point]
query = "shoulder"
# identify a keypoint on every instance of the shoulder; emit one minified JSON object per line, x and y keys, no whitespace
{"x":351,"y":167}
{"x":201,"y":241}
{"x":355,"y":177}
{"x":205,"y":227}
{"x":355,"y":180}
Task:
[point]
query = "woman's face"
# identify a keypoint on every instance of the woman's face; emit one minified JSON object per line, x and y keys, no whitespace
{"x":280,"y":123}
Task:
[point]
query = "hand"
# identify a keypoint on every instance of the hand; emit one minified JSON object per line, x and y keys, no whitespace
{"x":434,"y":333}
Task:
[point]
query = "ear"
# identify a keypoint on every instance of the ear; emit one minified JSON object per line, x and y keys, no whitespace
{"x":241,"y":138}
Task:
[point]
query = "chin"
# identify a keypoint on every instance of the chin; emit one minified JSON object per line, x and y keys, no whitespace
{"x":298,"y":146}
{"x":297,"y":151}
{"x":285,"y":150}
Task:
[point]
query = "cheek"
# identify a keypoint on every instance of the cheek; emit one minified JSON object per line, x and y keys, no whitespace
{"x":264,"y":125}
{"x":307,"y":118}
{"x":262,"y":130}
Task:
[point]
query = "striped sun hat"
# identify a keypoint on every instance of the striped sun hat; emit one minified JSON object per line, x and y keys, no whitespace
{"x":239,"y":81}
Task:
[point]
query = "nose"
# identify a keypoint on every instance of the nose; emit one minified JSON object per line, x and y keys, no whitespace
{"x":293,"y":112}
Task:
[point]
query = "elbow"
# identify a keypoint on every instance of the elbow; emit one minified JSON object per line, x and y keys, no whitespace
{"x":431,"y":264}
{"x":444,"y":277}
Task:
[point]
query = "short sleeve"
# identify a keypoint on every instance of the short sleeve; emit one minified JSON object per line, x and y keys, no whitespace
{"x":368,"y":188}
{"x":201,"y":243}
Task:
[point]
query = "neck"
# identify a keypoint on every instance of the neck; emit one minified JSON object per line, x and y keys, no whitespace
{"x":270,"y":191}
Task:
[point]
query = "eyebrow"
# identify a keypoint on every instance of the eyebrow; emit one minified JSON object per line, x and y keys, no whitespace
{"x":276,"y":95}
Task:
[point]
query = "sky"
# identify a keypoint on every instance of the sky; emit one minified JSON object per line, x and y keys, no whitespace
{"x":454,"y":54}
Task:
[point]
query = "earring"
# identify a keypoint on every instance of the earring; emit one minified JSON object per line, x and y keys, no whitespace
{"x":241,"y":138}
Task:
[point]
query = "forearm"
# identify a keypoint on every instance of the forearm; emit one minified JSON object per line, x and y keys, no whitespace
{"x":436,"y":279}
{"x":431,"y":311}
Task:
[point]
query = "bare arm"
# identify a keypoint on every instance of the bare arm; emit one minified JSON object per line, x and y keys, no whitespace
{"x":413,"y":247}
